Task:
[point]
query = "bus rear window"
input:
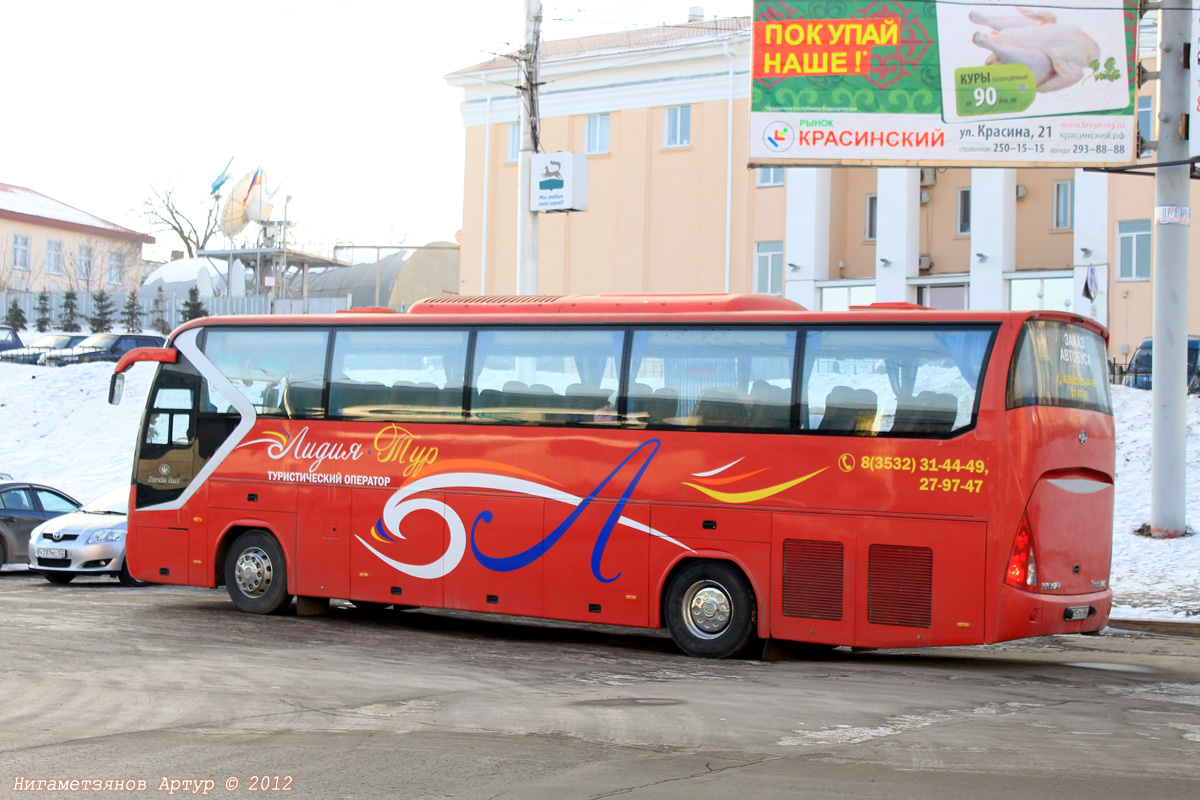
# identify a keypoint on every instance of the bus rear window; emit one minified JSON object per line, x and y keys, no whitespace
{"x":1059,"y":364}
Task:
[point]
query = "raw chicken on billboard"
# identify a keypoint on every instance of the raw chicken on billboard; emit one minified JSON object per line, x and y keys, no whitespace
{"x":1001,"y":61}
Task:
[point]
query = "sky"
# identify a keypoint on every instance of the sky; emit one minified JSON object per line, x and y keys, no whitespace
{"x":343,"y":103}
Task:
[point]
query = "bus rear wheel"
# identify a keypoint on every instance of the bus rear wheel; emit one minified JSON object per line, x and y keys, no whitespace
{"x":256,"y":574}
{"x":710,"y":610}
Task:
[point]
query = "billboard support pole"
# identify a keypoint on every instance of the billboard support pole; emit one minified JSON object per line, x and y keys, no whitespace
{"x":1168,"y":462}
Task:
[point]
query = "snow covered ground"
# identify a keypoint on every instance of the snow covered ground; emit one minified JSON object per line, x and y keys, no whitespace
{"x":58,"y":429}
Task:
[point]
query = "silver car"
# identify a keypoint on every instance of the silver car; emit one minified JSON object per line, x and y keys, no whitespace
{"x":90,"y":541}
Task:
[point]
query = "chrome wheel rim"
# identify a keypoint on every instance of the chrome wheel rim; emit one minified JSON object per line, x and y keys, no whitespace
{"x":707,"y":609}
{"x":254,"y":572}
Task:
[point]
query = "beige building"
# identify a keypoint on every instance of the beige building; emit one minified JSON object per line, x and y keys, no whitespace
{"x":663,"y":116}
{"x":46,"y":244}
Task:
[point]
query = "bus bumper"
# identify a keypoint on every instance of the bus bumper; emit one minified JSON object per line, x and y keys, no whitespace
{"x":1024,"y":614}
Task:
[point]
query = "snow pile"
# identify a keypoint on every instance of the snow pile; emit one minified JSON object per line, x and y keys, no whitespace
{"x":59,"y":429}
{"x":1157,"y":578}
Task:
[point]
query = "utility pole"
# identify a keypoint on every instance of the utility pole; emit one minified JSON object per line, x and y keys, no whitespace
{"x":527,"y":221}
{"x":1168,"y":461}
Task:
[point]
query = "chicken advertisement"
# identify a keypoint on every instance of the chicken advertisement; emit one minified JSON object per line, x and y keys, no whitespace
{"x":943,"y":83}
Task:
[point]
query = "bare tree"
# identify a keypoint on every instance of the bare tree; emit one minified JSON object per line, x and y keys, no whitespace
{"x":163,"y":212}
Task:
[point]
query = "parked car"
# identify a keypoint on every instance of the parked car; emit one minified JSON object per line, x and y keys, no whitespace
{"x":54,"y":341}
{"x":100,"y":347}
{"x":90,"y":541}
{"x":9,"y":338}
{"x":24,"y":506}
{"x":1139,"y":374}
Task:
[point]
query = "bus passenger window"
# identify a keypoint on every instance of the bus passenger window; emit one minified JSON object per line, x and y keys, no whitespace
{"x":892,"y":380}
{"x":280,"y":371}
{"x":738,"y":378}
{"x":559,"y":376}
{"x":403,"y":374}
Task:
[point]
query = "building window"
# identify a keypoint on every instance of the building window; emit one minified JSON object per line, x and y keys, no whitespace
{"x":116,"y":265}
{"x":1064,"y":205}
{"x":768,"y":268}
{"x":964,"y":211}
{"x":597,"y":135}
{"x":1040,"y":294}
{"x":840,"y":298}
{"x":678,"y":131}
{"x":514,"y":142}
{"x":20,"y":252}
{"x":769,"y":176}
{"x":872,"y":217}
{"x":54,"y":257}
{"x":83,"y":265}
{"x":943,"y":297}
{"x":1134,"y":242}
{"x":1145,"y":122}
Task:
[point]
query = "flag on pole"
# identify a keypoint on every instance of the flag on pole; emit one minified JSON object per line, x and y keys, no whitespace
{"x":255,"y":181}
{"x":221,"y":179}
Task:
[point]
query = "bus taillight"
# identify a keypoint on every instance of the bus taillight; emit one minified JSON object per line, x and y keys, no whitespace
{"x":1022,"y":566}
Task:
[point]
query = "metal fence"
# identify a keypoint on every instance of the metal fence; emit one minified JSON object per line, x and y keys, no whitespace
{"x":172,"y":306}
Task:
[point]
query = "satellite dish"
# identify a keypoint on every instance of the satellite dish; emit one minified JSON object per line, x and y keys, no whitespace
{"x":235,"y":217}
{"x":204,"y":282}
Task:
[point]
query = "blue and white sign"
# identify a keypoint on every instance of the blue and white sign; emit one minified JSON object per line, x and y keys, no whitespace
{"x":558,"y":182}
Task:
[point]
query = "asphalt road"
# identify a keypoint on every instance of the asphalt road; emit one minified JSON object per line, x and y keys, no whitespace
{"x":102,"y":682}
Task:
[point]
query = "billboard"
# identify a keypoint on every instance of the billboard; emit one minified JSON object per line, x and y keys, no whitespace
{"x":908,"y":82}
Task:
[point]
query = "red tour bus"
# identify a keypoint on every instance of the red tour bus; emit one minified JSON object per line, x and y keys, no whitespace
{"x":732,"y":468}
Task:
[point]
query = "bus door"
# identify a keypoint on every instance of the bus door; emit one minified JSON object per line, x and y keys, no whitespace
{"x":171,"y":532}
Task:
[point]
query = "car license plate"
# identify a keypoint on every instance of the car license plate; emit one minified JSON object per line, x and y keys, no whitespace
{"x":1075,"y":613}
{"x":51,"y":552}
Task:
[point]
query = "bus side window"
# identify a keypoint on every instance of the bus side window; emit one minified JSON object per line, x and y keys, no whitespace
{"x":900,"y":380}
{"x":543,"y":376}
{"x":731,"y":378}
{"x":399,"y":374}
{"x":280,"y":371}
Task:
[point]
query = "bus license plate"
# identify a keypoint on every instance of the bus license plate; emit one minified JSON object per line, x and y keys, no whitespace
{"x":1075,"y":613}
{"x":51,"y":552}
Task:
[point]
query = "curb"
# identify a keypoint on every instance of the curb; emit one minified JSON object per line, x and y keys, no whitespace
{"x":1159,"y":626}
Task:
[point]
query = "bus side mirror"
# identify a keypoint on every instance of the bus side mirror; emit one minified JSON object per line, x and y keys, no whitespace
{"x":116,"y":385}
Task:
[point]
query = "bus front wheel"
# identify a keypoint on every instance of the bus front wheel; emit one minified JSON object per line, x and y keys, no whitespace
{"x":710,"y":610}
{"x":256,"y":574}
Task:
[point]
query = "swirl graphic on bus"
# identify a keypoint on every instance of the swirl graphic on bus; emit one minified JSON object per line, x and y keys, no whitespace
{"x":277,"y":444}
{"x":714,"y":477}
{"x":403,"y":503}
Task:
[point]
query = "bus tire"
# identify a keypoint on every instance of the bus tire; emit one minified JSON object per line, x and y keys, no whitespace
{"x":710,"y":610}
{"x":256,"y":574}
